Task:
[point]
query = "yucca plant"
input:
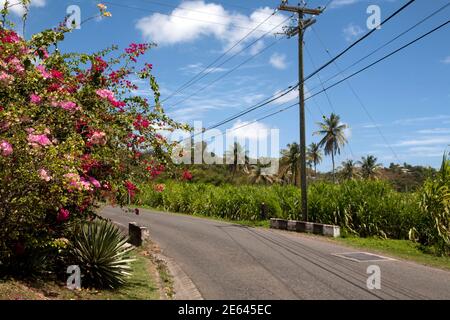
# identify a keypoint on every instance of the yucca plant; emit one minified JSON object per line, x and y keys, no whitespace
{"x":103,"y":254}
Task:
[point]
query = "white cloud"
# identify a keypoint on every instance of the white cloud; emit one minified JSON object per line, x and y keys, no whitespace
{"x":435,"y":131}
{"x":257,"y":47}
{"x":18,"y":9}
{"x":371,"y":126}
{"x":426,"y":141}
{"x":352,"y":31}
{"x":192,"y":20}
{"x":347,"y":132}
{"x":292,"y":96}
{"x":425,"y":152}
{"x":446,"y":60}
{"x":341,"y":3}
{"x":195,"y":68}
{"x":250,"y":131}
{"x":278,"y":61}
{"x":408,"y":121}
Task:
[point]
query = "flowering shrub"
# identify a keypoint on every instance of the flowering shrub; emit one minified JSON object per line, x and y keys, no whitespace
{"x":71,"y":132}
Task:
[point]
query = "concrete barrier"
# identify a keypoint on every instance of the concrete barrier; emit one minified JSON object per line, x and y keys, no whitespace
{"x":136,"y":234}
{"x":278,"y":224}
{"x":307,"y":227}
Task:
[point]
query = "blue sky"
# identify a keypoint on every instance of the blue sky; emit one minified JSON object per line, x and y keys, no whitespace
{"x":407,"y":97}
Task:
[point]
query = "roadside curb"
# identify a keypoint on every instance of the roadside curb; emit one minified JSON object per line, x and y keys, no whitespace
{"x":183,"y":286}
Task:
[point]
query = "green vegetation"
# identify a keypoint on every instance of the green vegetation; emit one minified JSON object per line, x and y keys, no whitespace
{"x":361,"y":207}
{"x":354,"y":205}
{"x":140,"y":286}
{"x":102,"y":252}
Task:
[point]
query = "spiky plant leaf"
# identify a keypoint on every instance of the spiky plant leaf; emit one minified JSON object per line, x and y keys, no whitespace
{"x":103,"y":254}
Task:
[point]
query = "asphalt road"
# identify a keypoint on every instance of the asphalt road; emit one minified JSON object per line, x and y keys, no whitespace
{"x":228,"y":261}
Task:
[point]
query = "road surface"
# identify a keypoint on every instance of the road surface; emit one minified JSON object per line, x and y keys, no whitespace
{"x":228,"y":261}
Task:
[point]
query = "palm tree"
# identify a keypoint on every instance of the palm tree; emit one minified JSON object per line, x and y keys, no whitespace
{"x":292,"y":159}
{"x":315,"y":155}
{"x":369,"y":167}
{"x":259,"y":175}
{"x":333,"y":137}
{"x":239,"y":157}
{"x":348,"y":170}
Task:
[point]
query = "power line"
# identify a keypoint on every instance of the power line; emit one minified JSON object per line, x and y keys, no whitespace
{"x":226,"y":74}
{"x":203,"y":73}
{"x":385,"y":57}
{"x":250,"y":109}
{"x":320,"y":79}
{"x":321,"y":68}
{"x":382,"y":46}
{"x":360,"y":39}
{"x":355,"y":73}
{"x":362,"y":104}
{"x":328,"y":98}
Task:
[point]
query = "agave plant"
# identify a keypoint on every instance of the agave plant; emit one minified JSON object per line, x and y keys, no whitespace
{"x":103,"y":254}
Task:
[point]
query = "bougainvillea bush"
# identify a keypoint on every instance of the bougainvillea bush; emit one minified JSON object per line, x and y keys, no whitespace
{"x":71,"y":131}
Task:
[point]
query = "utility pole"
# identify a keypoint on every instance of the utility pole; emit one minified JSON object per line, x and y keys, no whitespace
{"x":299,"y":30}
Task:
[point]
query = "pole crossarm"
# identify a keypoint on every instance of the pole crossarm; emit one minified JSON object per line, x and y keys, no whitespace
{"x":301,"y":10}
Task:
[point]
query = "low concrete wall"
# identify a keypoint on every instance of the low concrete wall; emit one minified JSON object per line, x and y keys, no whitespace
{"x":278,"y":224}
{"x":308,"y":227}
{"x":137,"y":234}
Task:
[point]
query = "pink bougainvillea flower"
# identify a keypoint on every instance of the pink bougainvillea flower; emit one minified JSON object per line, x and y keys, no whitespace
{"x":95,"y":182}
{"x":98,"y":137}
{"x":63,"y":215}
{"x":44,"y":73}
{"x":68,"y":105}
{"x":77,"y":183}
{"x":6,"y":148}
{"x":37,"y":140}
{"x":105,"y":94}
{"x":85,"y":184}
{"x":5,"y":78}
{"x":9,"y":36}
{"x":187,"y":175}
{"x":131,"y":188}
{"x":43,"y":174}
{"x":16,"y":65}
{"x":56,"y":74}
{"x":99,"y":65}
{"x":160,"y":187}
{"x":109,"y":95}
{"x":34,"y":98}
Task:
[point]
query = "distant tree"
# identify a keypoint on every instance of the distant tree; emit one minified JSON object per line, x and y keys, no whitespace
{"x":291,"y":159}
{"x":314,"y":155}
{"x":240,"y":160}
{"x":348,"y":170}
{"x":369,"y":167}
{"x":333,"y":139}
{"x":258,"y":174}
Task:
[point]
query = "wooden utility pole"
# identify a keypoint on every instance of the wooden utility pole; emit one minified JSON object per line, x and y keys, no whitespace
{"x":291,"y":32}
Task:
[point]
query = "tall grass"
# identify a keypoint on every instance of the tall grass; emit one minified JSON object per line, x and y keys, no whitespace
{"x":364,"y":208}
